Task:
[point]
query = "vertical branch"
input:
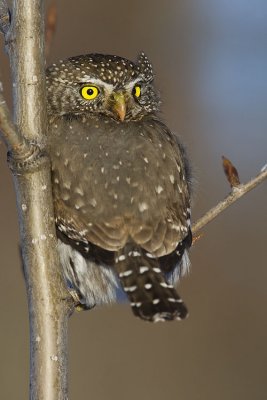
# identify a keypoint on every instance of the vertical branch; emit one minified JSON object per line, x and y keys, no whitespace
{"x":47,"y":296}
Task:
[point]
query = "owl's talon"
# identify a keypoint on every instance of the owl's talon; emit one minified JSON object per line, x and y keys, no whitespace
{"x":77,"y":302}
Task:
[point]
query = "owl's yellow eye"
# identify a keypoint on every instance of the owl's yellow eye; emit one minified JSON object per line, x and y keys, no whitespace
{"x":137,"y":91}
{"x":89,"y":92}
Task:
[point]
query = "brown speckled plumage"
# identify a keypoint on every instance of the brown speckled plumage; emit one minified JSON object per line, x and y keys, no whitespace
{"x":121,"y":187}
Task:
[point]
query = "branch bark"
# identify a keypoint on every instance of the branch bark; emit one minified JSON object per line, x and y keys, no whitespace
{"x":47,"y":295}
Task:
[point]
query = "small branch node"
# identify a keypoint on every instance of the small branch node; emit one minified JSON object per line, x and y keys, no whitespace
{"x":230,"y":172}
{"x":26,"y":159}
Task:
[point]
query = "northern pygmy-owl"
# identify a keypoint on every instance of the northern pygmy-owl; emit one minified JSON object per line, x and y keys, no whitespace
{"x":121,"y":186}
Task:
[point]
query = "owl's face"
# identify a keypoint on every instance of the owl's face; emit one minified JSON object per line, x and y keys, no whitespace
{"x":102,"y":84}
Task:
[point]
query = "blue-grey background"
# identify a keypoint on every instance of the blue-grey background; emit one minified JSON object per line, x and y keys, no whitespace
{"x":210,"y":58}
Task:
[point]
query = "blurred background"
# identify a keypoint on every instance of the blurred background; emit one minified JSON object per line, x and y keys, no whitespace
{"x":210,"y":59}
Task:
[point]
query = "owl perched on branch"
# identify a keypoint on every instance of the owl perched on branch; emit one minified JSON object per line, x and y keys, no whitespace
{"x":121,"y":186}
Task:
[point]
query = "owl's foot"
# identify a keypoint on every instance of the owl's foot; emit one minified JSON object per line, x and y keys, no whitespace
{"x":78,"y":305}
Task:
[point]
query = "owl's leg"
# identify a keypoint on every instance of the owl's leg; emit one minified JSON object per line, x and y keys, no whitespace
{"x":94,"y":283}
{"x":151,"y":297}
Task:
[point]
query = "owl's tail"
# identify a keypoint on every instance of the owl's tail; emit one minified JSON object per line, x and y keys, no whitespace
{"x":151,"y":297}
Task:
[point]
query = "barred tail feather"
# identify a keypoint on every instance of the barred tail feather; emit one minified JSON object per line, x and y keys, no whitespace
{"x":151,"y":297}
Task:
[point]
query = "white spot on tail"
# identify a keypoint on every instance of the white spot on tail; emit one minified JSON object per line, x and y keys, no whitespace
{"x":165,"y":285}
{"x":143,"y":269}
{"x":136,"y":304}
{"x":134,"y":254}
{"x":130,"y":288}
{"x":149,"y":255}
{"x":172,"y":300}
{"x":125,"y":273}
{"x":158,"y":318}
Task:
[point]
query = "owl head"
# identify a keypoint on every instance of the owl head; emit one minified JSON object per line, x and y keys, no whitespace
{"x":102,"y":84}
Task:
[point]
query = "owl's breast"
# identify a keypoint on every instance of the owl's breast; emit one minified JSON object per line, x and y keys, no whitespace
{"x":104,"y":169}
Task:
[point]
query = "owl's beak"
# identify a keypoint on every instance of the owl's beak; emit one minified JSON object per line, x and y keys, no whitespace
{"x":119,"y":105}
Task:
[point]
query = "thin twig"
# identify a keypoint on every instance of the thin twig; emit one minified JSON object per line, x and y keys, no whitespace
{"x":50,"y":28}
{"x":12,"y":138}
{"x":235,"y":194}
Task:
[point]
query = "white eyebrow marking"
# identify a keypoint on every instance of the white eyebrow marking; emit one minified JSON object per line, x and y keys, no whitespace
{"x":98,"y":82}
{"x":132,"y":84}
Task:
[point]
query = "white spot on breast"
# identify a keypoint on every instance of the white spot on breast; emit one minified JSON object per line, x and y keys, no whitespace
{"x":102,"y":170}
{"x":66,"y":185}
{"x":142,"y":206}
{"x":172,"y":179}
{"x":128,"y":180}
{"x":93,"y":202}
{"x":145,"y":160}
{"x":177,"y":228}
{"x":118,"y":178}
{"x":79,"y":191}
{"x":65,"y":196}
{"x":159,"y":189}
{"x":148,"y":286}
{"x":83,"y":232}
{"x":156,"y":301}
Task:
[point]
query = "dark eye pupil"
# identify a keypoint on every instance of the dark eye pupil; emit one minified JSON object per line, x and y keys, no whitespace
{"x":90,"y":92}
